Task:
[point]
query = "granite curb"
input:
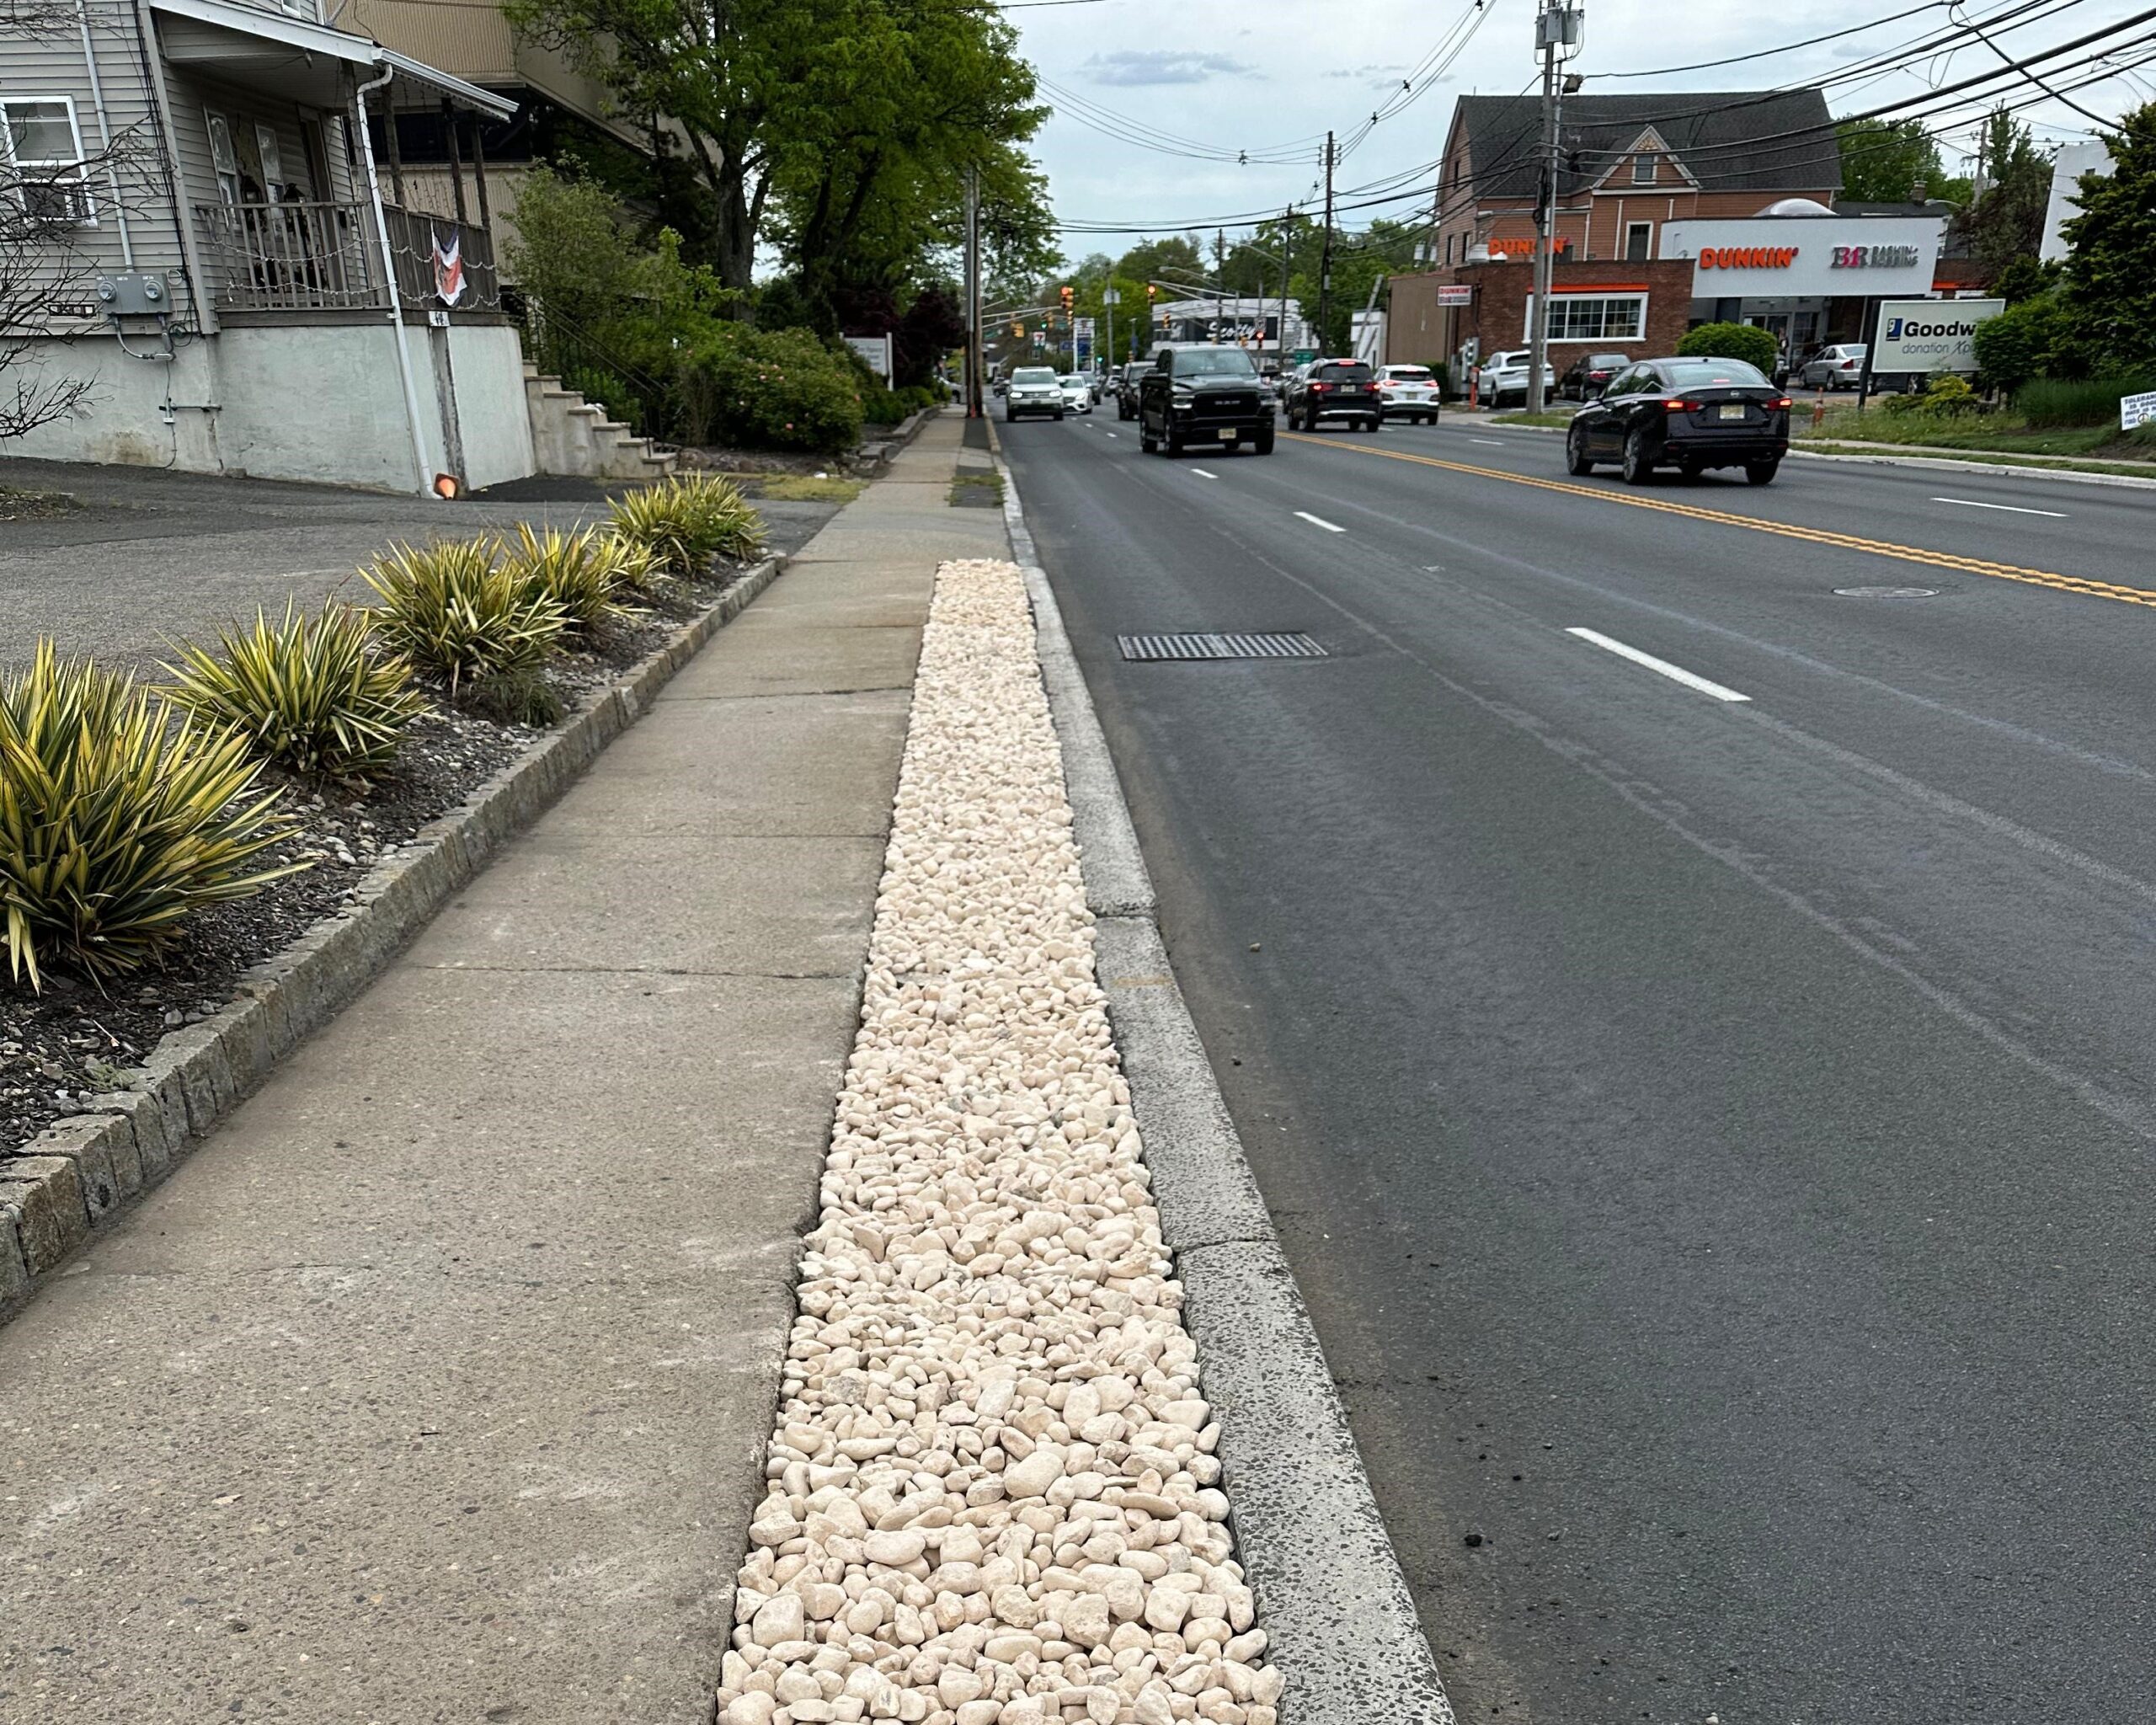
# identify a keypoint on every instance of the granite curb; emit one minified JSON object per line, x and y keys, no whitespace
{"x":80,"y":1171}
{"x":1331,"y":1597}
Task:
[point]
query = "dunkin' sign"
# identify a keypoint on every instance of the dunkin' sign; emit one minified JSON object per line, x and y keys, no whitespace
{"x":1747,"y":257}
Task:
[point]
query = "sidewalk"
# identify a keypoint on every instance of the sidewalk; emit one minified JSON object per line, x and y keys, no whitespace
{"x":436,"y":1385}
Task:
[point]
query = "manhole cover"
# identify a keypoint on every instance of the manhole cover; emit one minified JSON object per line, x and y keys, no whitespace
{"x":1888,"y":592}
{"x":1220,"y":646}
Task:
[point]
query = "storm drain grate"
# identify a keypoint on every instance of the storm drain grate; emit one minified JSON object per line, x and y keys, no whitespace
{"x":1296,"y":645}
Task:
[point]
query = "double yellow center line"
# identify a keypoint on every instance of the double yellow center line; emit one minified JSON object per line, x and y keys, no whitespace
{"x":1785,"y":530}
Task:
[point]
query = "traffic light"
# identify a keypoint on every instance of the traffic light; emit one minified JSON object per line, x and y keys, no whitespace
{"x":1152,"y":293}
{"x":1018,"y":332}
{"x":1067,"y":296}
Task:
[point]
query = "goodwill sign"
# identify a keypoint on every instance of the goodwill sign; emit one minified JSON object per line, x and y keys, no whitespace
{"x":1930,"y":336}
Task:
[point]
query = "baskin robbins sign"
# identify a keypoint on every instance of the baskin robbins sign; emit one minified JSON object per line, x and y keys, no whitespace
{"x":1807,"y":256}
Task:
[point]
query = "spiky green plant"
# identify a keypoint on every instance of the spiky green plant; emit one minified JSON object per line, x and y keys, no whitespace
{"x":311,"y":693}
{"x":636,"y":568}
{"x":452,"y":610}
{"x":684,"y":520}
{"x":115,"y":824}
{"x":581,"y":572}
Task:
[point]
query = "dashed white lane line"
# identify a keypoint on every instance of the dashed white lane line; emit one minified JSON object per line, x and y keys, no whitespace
{"x":1318,"y":522}
{"x":1115,"y":433}
{"x":2057,"y":515}
{"x":1202,"y":474}
{"x":1675,"y":673}
{"x":1494,"y":442}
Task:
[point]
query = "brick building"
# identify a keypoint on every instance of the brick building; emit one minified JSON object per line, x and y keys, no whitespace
{"x":1630,"y":163}
{"x":1607,"y":306}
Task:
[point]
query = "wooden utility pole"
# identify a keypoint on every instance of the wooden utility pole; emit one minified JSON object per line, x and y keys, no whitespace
{"x":973,"y":383}
{"x":1324,"y":258}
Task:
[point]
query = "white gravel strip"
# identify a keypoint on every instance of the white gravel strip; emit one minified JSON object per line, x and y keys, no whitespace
{"x":993,"y":1499}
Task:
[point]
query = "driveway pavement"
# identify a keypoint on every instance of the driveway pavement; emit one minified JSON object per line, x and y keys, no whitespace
{"x":151,"y":554}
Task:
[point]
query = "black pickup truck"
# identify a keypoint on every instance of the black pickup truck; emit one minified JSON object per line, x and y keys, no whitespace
{"x":1204,"y":395}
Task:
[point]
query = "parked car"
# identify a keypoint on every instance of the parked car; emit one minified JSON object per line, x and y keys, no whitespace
{"x":1840,"y":366}
{"x":1408,"y":392}
{"x":1126,"y":389}
{"x":1034,"y":389}
{"x":1000,"y":385}
{"x":1503,"y":376}
{"x":1585,"y":377}
{"x":1078,"y":393}
{"x":1335,"y":389}
{"x":1203,"y":395}
{"x":1687,"y":414}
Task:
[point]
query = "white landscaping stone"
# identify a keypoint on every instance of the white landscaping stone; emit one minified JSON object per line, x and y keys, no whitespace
{"x":992,"y":1497}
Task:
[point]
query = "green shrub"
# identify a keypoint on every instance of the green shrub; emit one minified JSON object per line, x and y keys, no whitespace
{"x":883,"y":407}
{"x":2091,"y":401}
{"x":582,"y":573}
{"x":1946,"y":396}
{"x":115,"y":824}
{"x":311,"y":693}
{"x":1754,"y":346}
{"x":453,"y":611}
{"x":2019,"y":344}
{"x":776,"y":390}
{"x":682,"y":522}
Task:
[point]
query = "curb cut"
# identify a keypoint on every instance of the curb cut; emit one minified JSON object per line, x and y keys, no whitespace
{"x":80,"y":1171}
{"x":1337,"y":1609}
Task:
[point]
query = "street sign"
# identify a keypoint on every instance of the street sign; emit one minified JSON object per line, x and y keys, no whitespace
{"x":1109,"y":296}
{"x":2136,"y":410}
{"x":1929,"y":335}
{"x":1082,"y":328}
{"x":1455,"y":293}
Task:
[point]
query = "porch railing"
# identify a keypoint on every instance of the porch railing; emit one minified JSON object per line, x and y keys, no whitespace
{"x":325,"y":257}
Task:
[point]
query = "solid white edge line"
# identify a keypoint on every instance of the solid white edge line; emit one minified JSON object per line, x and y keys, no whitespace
{"x":2012,"y":509}
{"x":1318,"y":522}
{"x":1675,"y":673}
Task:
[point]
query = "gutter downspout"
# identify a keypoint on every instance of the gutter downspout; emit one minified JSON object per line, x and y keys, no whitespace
{"x":360,"y":94}
{"x":104,"y":132}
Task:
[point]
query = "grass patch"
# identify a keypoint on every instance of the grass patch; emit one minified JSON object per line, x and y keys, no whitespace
{"x":19,"y":504}
{"x":806,"y":487}
{"x":2000,"y":433}
{"x":2131,"y":469}
{"x":977,"y":488}
{"x":1555,"y":420}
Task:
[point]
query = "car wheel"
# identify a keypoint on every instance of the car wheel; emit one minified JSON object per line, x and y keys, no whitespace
{"x":1576,"y":462}
{"x":1762,"y":473}
{"x":1263,"y":443}
{"x":1173,"y":444}
{"x":1638,"y":461}
{"x":1375,"y":423}
{"x":1147,"y":441}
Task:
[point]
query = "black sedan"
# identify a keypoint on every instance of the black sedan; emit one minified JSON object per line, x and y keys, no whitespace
{"x":1589,"y":375}
{"x":1686,"y":413}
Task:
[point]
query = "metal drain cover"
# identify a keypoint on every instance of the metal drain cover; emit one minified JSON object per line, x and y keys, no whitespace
{"x":1887,"y":592}
{"x":1296,"y":645}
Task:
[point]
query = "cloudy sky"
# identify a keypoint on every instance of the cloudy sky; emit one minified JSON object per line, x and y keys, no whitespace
{"x":1266,"y":78}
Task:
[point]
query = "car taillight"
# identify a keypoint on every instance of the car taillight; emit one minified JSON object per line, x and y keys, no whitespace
{"x":1384,"y":383}
{"x":1780,"y":402}
{"x":1320,"y":388}
{"x":1681,"y":406}
{"x":1849,"y":365}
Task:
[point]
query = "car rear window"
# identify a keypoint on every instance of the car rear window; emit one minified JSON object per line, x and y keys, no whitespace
{"x":1344,"y":374}
{"x":1407,"y":374}
{"x":1688,"y":374}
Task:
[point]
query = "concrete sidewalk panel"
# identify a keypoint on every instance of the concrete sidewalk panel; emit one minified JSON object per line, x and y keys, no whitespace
{"x":680,"y":903}
{"x":786,"y":657}
{"x":792,"y":764}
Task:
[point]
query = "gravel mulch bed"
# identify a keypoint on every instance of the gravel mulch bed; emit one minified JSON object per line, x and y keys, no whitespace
{"x":74,"y":1040}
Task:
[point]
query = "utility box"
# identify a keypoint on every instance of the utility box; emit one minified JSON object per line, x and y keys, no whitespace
{"x":135,"y":295}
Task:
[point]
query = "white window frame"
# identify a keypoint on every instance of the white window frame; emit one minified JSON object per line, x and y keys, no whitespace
{"x":1561,"y":332}
{"x":1647,"y":168}
{"x":225,"y":166}
{"x":73,"y":172}
{"x":1647,"y":253}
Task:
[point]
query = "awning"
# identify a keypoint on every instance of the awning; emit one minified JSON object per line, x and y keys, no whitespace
{"x":293,"y":58}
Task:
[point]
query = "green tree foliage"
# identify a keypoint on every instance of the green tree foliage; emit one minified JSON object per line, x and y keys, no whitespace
{"x":1754,"y":346}
{"x":2019,"y":344}
{"x":1887,"y":161}
{"x":2109,"y":297}
{"x":1174,"y":259}
{"x":2006,"y":221}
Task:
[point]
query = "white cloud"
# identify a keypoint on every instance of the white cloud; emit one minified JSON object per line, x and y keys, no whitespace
{"x":1162,"y":66}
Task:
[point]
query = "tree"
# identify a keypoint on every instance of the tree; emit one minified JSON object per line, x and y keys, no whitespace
{"x":2006,"y":220}
{"x":1174,"y":259}
{"x":2109,"y":298}
{"x":1889,"y":160}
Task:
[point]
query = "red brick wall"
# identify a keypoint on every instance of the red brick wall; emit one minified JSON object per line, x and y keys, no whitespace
{"x":1420,"y":331}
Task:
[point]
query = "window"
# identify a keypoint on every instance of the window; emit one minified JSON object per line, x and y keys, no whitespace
{"x":46,"y":150}
{"x":272,"y":159}
{"x":1643,"y":170}
{"x":1595,"y":317}
{"x":1639,"y":239}
{"x":223,"y":157}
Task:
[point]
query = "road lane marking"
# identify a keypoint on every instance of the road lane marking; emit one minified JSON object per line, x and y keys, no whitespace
{"x":1675,"y":673}
{"x":1494,"y":442}
{"x":1319,"y":522}
{"x":1758,"y":524}
{"x":1202,"y":474}
{"x":2011,"y":509}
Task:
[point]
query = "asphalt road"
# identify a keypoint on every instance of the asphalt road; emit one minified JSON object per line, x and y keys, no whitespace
{"x":1715,"y":1136}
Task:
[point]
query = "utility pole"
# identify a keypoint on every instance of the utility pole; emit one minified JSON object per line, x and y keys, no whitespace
{"x":1280,"y":336}
{"x":1558,"y":28}
{"x":972,"y":295}
{"x":1110,"y":299}
{"x":1325,"y":257}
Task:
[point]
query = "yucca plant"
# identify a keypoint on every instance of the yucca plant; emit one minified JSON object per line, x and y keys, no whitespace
{"x":583,"y":572}
{"x":683,"y":521}
{"x":115,"y":824}
{"x":453,"y":610}
{"x":636,"y":568}
{"x":313,"y":693}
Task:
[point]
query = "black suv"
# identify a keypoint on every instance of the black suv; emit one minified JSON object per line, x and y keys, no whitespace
{"x":1203,"y":395}
{"x":1335,"y":389}
{"x":1125,"y":388}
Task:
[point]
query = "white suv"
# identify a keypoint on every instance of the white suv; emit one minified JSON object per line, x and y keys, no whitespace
{"x":1034,"y":389}
{"x":1408,"y":392}
{"x":1505,"y":374}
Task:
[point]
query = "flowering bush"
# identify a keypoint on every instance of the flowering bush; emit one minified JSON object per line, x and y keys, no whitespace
{"x":780,"y":389}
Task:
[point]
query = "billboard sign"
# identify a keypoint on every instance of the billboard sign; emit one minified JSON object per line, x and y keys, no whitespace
{"x":1929,"y":335}
{"x":2136,"y":410}
{"x":1455,"y":293}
